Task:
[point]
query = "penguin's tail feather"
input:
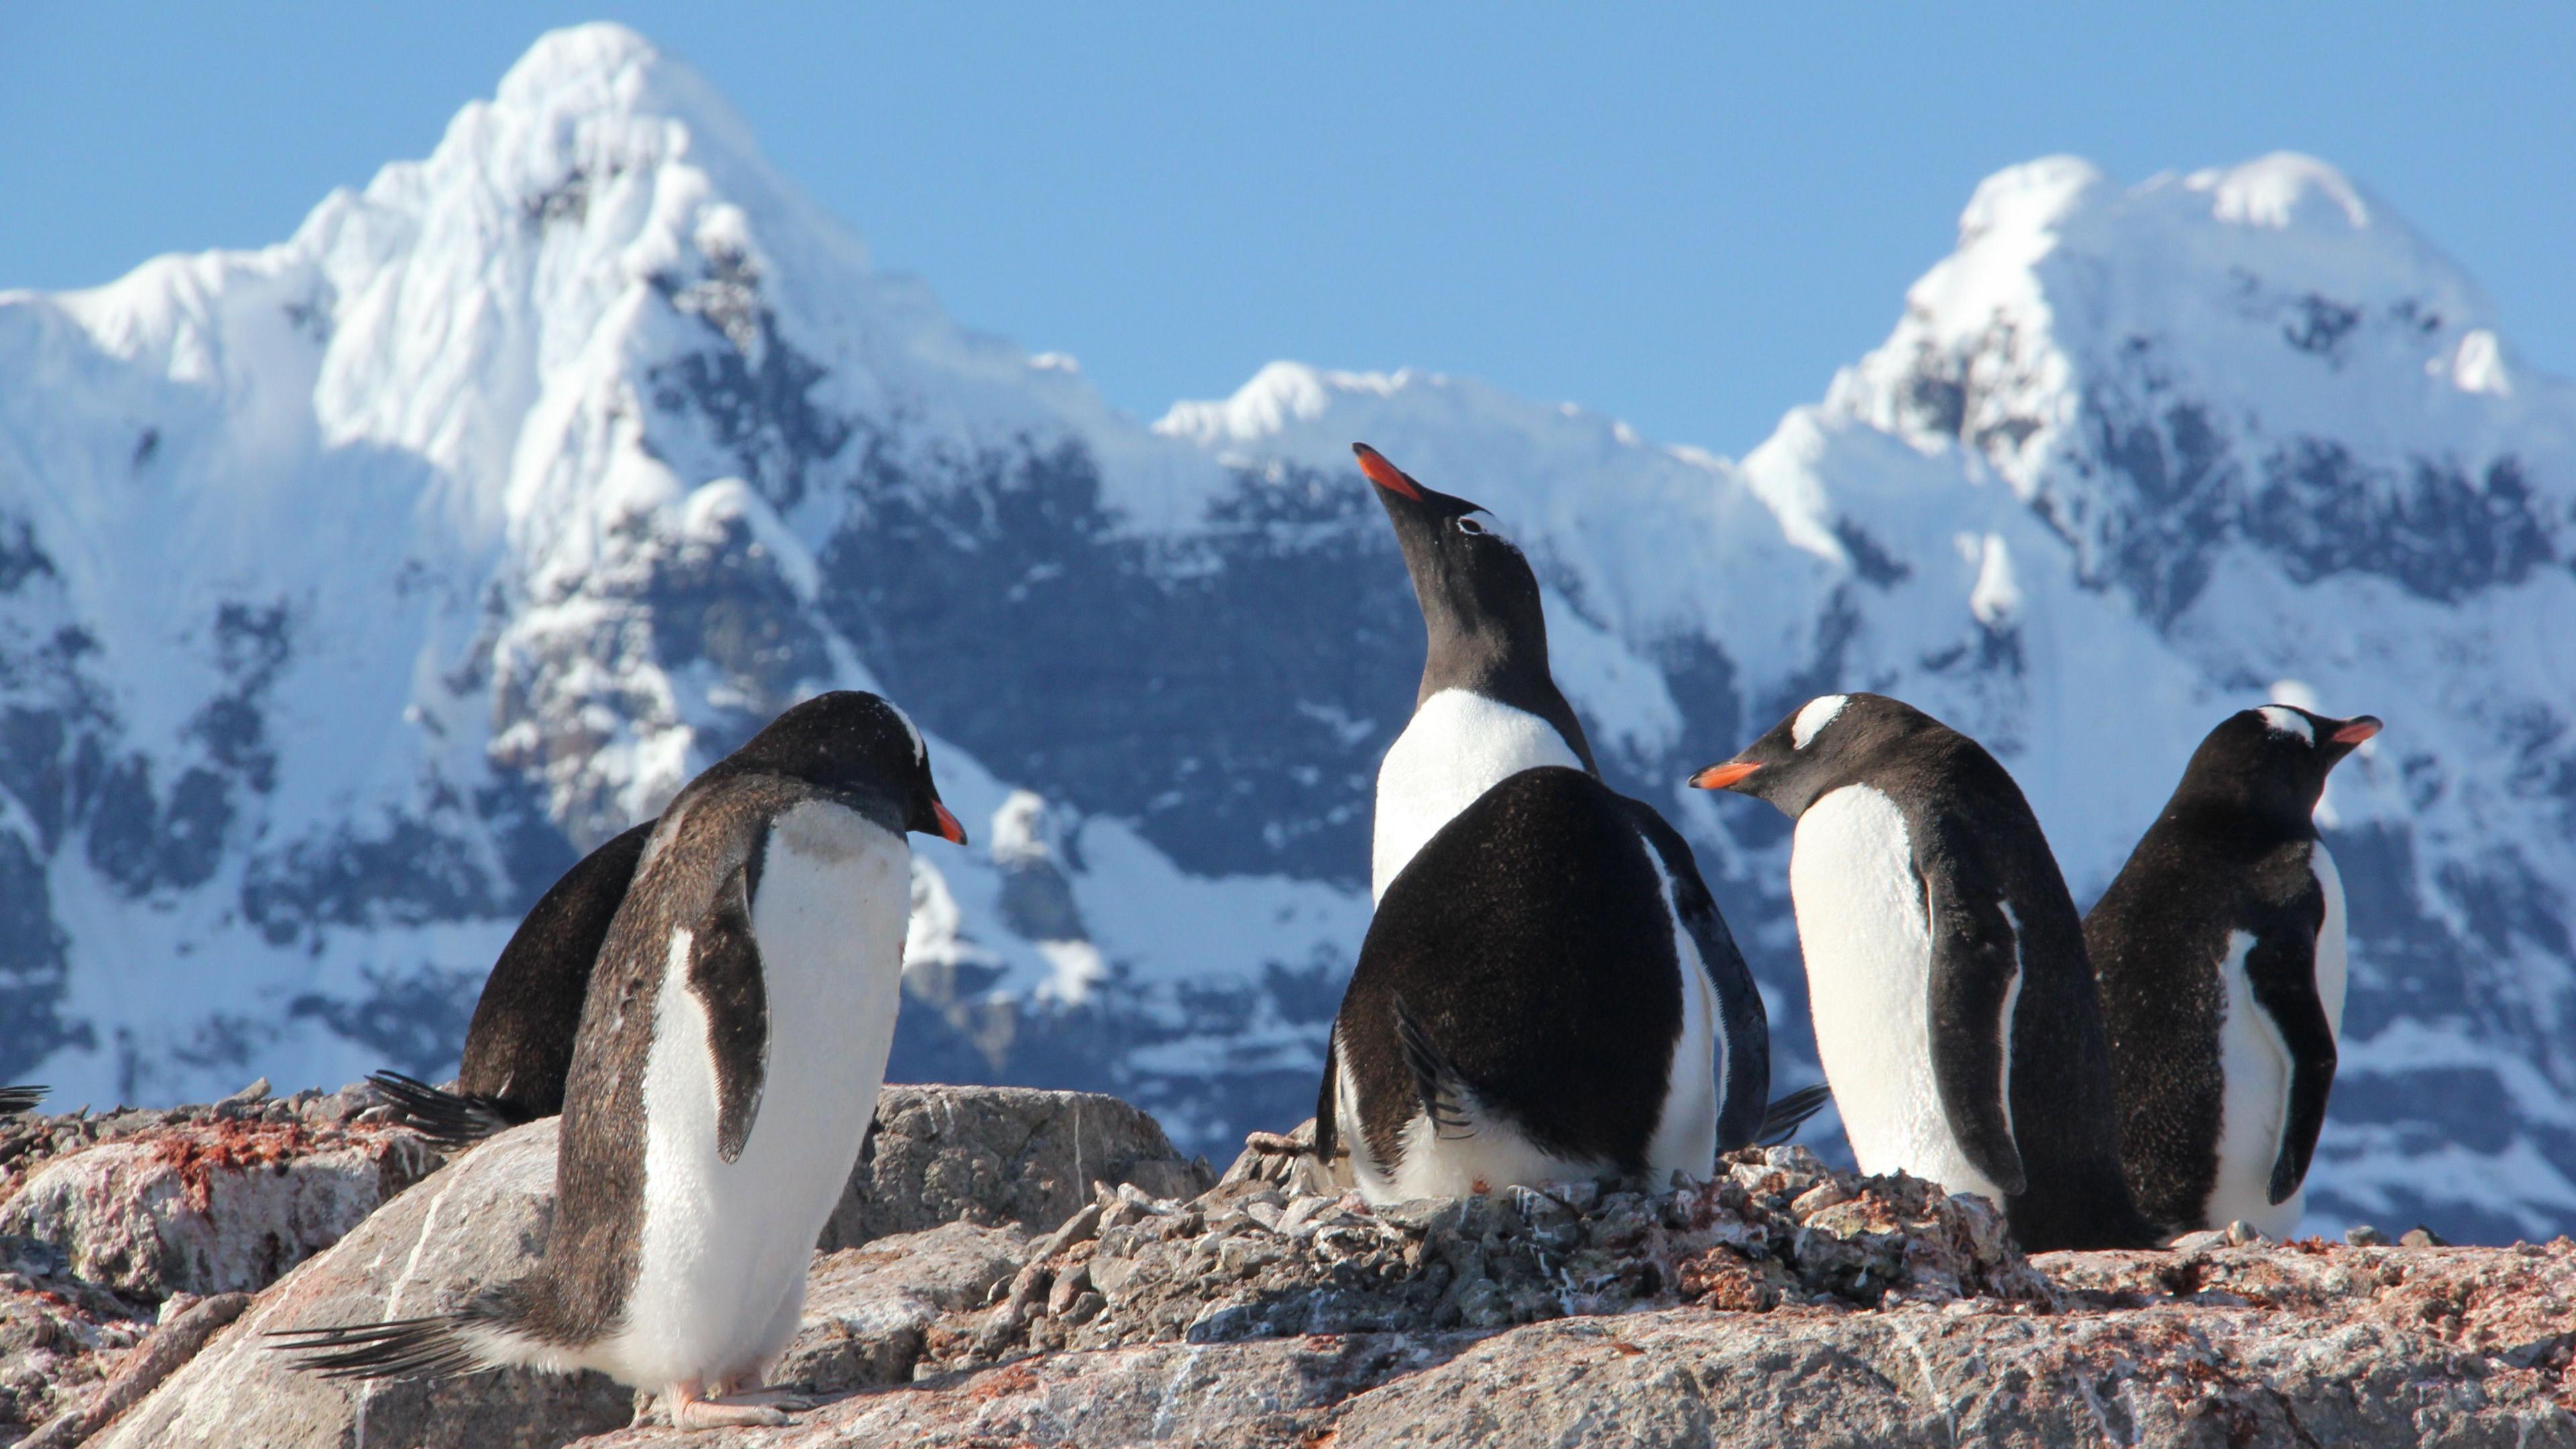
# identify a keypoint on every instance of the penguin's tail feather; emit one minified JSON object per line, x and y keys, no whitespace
{"x":483,"y":1333}
{"x":450,"y":1120}
{"x":14,"y":1100}
{"x":1782,"y":1119}
{"x":1437,"y":1081}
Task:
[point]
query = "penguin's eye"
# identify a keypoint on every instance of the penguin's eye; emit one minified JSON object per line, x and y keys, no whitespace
{"x":1470,"y":526}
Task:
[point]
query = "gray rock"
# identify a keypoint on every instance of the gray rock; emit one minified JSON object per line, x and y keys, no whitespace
{"x":212,"y":1206}
{"x":869,"y":1311}
{"x":482,"y":1220}
{"x":996,"y":1155}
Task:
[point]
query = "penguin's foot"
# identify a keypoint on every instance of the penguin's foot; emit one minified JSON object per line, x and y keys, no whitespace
{"x":787,"y":1399}
{"x":689,"y":1411}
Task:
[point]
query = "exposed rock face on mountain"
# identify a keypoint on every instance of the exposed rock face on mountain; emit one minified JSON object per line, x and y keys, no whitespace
{"x":349,"y":587}
{"x":1783,"y":1300}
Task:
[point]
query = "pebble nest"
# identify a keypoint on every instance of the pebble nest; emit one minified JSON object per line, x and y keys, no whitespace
{"x":1250,"y":1259}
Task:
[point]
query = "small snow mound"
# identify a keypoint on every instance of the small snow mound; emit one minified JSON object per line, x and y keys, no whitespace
{"x":602,"y":54}
{"x":2030,"y":198}
{"x":2478,"y":366}
{"x":1279,"y":395}
{"x":2284,"y":191}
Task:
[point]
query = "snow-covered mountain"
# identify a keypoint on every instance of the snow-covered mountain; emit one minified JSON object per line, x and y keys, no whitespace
{"x":349,"y":587}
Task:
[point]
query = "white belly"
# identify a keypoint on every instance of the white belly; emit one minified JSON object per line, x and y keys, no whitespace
{"x":2255,"y":1108}
{"x":1458,"y":746}
{"x":726,"y":1245}
{"x":1867,"y":939}
{"x":1686,"y":1134}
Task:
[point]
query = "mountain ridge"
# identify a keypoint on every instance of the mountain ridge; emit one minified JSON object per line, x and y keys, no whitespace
{"x":349,"y":586}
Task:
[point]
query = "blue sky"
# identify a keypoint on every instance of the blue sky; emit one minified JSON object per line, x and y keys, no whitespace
{"x":1682,"y":215}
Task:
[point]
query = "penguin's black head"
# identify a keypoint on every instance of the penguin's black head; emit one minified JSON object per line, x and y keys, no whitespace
{"x":1827,"y":743}
{"x":1479,"y":599}
{"x":851,"y":742}
{"x":2272,"y":761}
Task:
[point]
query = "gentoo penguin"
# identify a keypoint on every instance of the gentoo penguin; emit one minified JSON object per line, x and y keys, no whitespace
{"x":2220,"y":953}
{"x":1487,"y":706}
{"x":519,"y":1044}
{"x":1546,"y":992}
{"x":1954,"y":1008}
{"x":14,"y":1100}
{"x":727,"y":1066}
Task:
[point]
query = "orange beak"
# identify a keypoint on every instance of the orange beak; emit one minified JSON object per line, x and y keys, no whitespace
{"x":1385,"y":474}
{"x":2355,"y":731}
{"x":1720,"y":777}
{"x":949,"y":829}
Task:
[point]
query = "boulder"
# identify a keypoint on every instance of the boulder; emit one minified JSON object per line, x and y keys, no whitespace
{"x":481,"y":1220}
{"x":869,"y":1312}
{"x":216,"y":1206}
{"x":996,"y":1155}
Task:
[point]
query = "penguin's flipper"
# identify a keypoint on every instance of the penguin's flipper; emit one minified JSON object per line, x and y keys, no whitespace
{"x":725,"y":976}
{"x":14,"y":1100}
{"x":1786,"y":1115}
{"x":2282,"y":971}
{"x":1744,"y":1025}
{"x":1443,"y":1092}
{"x":1976,"y":966}
{"x":449,"y":1120}
{"x":1325,"y":1145}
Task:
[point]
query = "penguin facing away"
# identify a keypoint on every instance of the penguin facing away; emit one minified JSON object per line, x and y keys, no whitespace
{"x":1547,"y":992}
{"x":1954,"y":1007}
{"x":2220,"y":952}
{"x":518,"y":1047}
{"x":1487,"y":706}
{"x":726,"y":1068}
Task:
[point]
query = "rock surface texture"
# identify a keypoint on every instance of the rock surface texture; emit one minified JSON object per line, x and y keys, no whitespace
{"x":1780,"y":1302}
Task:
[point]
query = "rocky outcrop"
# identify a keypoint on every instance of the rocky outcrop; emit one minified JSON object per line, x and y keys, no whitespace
{"x":994,"y":1155}
{"x":1780,"y":1302}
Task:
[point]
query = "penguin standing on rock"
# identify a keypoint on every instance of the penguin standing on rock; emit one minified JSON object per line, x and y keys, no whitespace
{"x":518,"y":1048}
{"x":2220,"y":952}
{"x":1547,"y":990}
{"x":727,"y":1066}
{"x":1954,"y":1007}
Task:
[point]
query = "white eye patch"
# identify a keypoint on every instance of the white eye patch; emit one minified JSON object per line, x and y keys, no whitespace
{"x":2287,"y":721}
{"x":920,"y":751}
{"x":1479,"y":523}
{"x":1820,"y":712}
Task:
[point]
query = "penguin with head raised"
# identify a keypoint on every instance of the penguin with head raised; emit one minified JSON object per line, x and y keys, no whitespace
{"x":518,"y":1047}
{"x":1547,"y":990}
{"x":727,"y":1066}
{"x":1487,"y":706}
{"x":2220,"y":952}
{"x":1954,"y":1008}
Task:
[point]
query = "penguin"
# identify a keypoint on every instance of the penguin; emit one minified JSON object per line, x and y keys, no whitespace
{"x":1546,"y":992}
{"x":727,"y":1065}
{"x":519,"y":1044}
{"x":15,"y":1100}
{"x":1954,"y":1006}
{"x":2219,"y":949}
{"x":1487,"y":706}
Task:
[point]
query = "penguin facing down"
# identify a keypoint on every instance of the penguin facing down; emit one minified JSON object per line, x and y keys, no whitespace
{"x":727,"y":1066}
{"x":2220,"y":952}
{"x":1487,"y":706}
{"x":1954,"y":1007}
{"x":1547,"y":992}
{"x":518,"y":1047}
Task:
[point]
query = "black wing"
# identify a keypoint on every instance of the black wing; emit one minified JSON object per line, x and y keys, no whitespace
{"x":449,"y":1120}
{"x":725,"y":976}
{"x":1782,"y":1119}
{"x":1976,"y":955}
{"x":1742,"y":1018}
{"x":1442,"y":1090}
{"x":14,"y":1100}
{"x":2282,"y":970}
